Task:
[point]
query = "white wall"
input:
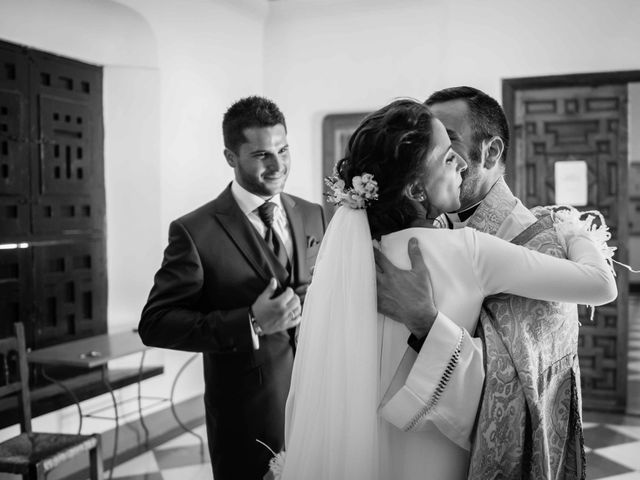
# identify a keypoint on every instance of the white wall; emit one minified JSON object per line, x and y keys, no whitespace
{"x":210,"y":54}
{"x":170,"y":71}
{"x":330,"y":56}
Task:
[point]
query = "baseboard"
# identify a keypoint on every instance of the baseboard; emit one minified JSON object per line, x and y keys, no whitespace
{"x":131,"y":438}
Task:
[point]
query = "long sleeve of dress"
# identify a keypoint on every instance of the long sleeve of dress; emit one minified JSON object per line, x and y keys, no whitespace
{"x":503,"y":267}
{"x":443,"y":385}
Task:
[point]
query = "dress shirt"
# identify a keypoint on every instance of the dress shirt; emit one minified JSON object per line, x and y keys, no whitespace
{"x":249,"y":203}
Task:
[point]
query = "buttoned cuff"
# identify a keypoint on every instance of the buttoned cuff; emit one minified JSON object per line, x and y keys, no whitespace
{"x":416,"y":387}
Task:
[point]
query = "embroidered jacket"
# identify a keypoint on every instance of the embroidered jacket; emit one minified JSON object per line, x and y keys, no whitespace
{"x":529,"y":421}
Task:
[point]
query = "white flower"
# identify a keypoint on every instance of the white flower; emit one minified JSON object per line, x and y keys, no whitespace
{"x":276,"y":465}
{"x":363,"y":192}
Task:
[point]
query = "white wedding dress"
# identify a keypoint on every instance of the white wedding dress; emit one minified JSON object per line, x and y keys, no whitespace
{"x":344,"y":419}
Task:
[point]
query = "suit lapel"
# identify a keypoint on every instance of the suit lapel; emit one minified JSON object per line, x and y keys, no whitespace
{"x":241,"y":232}
{"x":298,"y":234}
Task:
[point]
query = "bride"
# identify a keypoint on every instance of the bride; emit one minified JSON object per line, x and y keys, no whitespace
{"x":351,"y":372}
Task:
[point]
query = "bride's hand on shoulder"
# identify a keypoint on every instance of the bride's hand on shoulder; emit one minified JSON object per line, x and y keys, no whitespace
{"x":406,"y":296}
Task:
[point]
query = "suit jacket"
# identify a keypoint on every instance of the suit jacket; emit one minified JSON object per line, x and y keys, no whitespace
{"x":214,"y":268}
{"x":529,"y":421}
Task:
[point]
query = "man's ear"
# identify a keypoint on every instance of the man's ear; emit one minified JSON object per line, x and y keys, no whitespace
{"x":231,"y":157}
{"x":492,"y":152}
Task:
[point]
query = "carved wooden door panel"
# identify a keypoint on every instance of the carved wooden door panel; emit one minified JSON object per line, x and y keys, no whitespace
{"x":586,"y":124}
{"x":52,"y":200}
{"x":15,"y":210}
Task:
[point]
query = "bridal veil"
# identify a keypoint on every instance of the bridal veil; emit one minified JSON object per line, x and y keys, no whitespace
{"x":331,"y":425}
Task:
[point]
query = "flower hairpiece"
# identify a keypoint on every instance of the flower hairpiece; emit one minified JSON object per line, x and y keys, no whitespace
{"x":363,"y":192}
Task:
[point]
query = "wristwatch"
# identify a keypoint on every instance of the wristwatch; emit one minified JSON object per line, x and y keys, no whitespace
{"x":256,"y":327}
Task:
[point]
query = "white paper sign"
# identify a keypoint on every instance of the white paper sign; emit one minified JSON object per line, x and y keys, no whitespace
{"x":571,"y":183}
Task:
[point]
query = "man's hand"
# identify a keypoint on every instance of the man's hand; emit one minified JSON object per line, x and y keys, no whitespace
{"x":406,"y":296}
{"x":301,"y":291}
{"x":278,"y":313}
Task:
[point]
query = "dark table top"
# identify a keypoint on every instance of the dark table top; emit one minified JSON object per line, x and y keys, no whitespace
{"x":90,"y":352}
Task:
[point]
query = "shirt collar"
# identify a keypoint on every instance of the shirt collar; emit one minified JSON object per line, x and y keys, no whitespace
{"x":247,"y":201}
{"x":466,"y":213}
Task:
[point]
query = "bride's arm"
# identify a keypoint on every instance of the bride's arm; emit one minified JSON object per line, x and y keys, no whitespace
{"x":441,"y":387}
{"x":439,"y":382}
{"x":503,"y":267}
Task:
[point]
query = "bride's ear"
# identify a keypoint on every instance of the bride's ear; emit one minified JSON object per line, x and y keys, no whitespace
{"x":492,"y":150}
{"x":415,"y":192}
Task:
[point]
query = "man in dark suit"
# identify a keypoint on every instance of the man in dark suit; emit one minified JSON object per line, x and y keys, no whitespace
{"x":231,"y":285}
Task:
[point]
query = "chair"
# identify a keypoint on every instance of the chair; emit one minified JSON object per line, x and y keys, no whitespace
{"x":33,"y":454}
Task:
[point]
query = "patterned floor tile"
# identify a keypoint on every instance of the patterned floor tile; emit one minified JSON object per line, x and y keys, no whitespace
{"x":141,"y":476}
{"x":194,"y":472}
{"x":141,"y":464}
{"x":602,"y":436}
{"x":624,"y":476}
{"x":187,"y":439}
{"x":630,"y":430}
{"x":627,"y":454}
{"x":181,"y":456}
{"x":601,"y":467}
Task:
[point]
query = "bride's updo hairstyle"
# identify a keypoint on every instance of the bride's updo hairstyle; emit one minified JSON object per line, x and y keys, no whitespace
{"x":391,"y":144}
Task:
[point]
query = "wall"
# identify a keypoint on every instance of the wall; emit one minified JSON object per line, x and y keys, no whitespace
{"x":170,"y":71}
{"x":210,"y":54}
{"x":355,"y":55}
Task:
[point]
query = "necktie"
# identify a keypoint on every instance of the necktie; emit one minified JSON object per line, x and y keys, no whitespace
{"x":265,"y":211}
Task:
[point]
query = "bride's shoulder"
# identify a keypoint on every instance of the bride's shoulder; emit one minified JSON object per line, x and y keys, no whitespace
{"x":425,"y":236}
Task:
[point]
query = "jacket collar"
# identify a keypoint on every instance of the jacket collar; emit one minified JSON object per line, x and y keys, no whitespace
{"x":494,"y":208}
{"x":237,"y":226}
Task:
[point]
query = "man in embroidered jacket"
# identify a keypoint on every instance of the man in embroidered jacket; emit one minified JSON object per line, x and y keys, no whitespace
{"x":519,"y":378}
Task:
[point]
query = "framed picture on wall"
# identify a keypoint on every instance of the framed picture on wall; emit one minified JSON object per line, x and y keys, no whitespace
{"x":336,"y":130}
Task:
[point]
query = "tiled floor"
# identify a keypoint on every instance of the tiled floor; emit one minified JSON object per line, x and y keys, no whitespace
{"x":633,"y":386}
{"x":613,"y":453}
{"x":178,"y":459}
{"x":613,"y":446}
{"x":612,"y":441}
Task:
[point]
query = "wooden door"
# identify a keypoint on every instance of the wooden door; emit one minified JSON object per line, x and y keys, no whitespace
{"x":53,"y":274}
{"x":588,"y":124}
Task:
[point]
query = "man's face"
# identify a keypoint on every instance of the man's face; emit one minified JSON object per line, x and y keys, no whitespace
{"x":262,"y":163}
{"x":476,"y":179}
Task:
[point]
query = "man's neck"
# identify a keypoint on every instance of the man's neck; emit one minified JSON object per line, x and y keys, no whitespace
{"x":470,"y":210}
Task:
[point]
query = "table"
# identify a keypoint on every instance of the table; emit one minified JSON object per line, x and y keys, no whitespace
{"x":96,"y":352}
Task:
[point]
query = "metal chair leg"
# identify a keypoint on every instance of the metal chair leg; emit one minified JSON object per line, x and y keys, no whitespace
{"x":95,"y":461}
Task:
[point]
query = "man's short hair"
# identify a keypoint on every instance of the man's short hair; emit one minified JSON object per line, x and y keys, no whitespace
{"x":487,"y":117}
{"x":249,"y":112}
